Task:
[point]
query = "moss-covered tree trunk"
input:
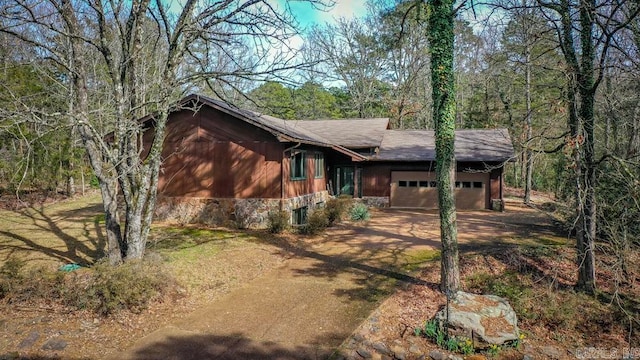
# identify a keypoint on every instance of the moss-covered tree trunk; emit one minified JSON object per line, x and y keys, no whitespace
{"x":441,"y":36}
{"x":582,"y":92}
{"x":587,"y":88}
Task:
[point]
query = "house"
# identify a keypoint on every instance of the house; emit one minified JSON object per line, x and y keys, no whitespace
{"x":221,"y":163}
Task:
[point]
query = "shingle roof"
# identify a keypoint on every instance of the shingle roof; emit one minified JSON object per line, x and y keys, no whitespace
{"x":269,"y":123}
{"x":284,"y":130}
{"x":470,"y":145}
{"x":485,"y":145}
{"x":351,"y":133}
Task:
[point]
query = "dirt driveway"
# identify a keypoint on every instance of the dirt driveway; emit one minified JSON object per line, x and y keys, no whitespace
{"x":392,"y":234}
{"x":306,"y":295}
{"x":305,"y":308}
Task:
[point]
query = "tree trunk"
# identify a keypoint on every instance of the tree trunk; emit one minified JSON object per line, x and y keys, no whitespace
{"x":587,"y":90}
{"x":528,"y":126}
{"x":108,"y":183}
{"x":581,"y":95}
{"x":116,"y":247}
{"x":441,"y":36}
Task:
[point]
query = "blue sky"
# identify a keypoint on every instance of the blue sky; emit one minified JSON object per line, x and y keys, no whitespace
{"x":307,"y":15}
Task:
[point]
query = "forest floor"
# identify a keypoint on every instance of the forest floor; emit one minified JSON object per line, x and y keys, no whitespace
{"x":522,"y":254}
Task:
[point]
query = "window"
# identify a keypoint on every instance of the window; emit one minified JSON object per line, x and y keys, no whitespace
{"x":466,"y":184}
{"x":458,"y":184}
{"x":402,"y":183}
{"x":427,"y":184}
{"x":477,"y":184}
{"x":413,"y":184}
{"x":299,"y":216}
{"x":297,"y":164}
{"x":319,"y":161}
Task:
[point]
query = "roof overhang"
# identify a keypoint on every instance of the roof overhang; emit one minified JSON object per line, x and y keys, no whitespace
{"x":280,"y":135}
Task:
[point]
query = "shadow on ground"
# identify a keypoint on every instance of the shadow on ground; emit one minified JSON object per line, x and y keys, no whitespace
{"x":231,"y":347}
{"x":389,"y":248}
{"x":77,"y":234}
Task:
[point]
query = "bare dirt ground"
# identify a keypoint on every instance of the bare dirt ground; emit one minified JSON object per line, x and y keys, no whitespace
{"x":521,"y":246}
{"x":68,"y":231}
{"x":395,"y":249}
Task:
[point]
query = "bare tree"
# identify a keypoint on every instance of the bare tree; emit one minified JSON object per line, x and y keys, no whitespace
{"x":126,"y":60}
{"x":407,"y":48}
{"x":586,"y":31}
{"x":383,"y":61}
{"x":354,"y":56}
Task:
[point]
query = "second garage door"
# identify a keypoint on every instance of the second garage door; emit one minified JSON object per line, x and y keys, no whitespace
{"x":417,"y":189}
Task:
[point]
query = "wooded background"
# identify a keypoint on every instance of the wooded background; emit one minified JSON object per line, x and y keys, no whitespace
{"x":561,"y":75}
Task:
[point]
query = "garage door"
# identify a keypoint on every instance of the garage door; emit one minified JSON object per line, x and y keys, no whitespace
{"x":472,"y":190}
{"x":417,"y":189}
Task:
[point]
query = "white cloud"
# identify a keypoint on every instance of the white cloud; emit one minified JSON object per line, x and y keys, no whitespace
{"x":308,"y":15}
{"x":346,"y":9}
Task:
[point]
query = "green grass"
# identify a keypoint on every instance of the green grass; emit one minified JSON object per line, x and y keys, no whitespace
{"x":416,"y":260}
{"x":50,"y":235}
{"x":551,"y":241}
{"x":189,"y":250}
{"x":177,"y":241}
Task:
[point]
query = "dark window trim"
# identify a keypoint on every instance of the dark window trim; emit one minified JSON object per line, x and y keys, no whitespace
{"x":319,"y":156}
{"x":292,"y":168}
{"x":299,"y":216}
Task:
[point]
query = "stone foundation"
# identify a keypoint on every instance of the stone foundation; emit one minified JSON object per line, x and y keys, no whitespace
{"x":311,"y":201}
{"x":376,"y":201}
{"x":497,"y":204}
{"x":242,"y":213}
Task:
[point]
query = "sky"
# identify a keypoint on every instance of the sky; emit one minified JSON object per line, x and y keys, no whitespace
{"x":307,"y":15}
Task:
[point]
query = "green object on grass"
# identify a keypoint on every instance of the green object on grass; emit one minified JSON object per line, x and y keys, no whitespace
{"x":69,"y":267}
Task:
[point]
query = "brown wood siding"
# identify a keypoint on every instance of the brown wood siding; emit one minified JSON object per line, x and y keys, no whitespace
{"x":496,"y":184}
{"x":309,"y":184}
{"x":213,"y":155}
{"x":376,"y":178}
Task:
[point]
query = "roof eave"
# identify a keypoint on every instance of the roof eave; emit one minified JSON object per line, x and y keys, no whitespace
{"x":353,"y":155}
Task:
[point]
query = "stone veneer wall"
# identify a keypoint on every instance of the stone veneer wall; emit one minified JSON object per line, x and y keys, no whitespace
{"x":243,"y":213}
{"x":376,"y":201}
{"x":308,"y":200}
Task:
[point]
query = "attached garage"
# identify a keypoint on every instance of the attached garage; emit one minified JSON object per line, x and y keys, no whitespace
{"x":418,"y":189}
{"x":399,"y":170}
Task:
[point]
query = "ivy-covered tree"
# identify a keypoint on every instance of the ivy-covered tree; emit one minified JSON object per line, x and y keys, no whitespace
{"x":441,"y":38}
{"x":586,"y":31}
